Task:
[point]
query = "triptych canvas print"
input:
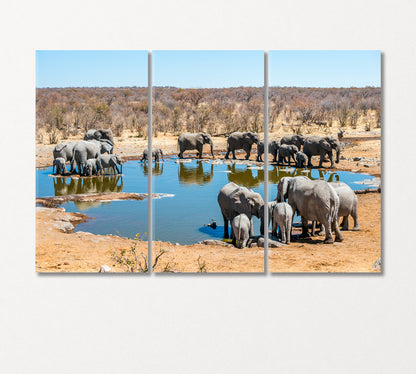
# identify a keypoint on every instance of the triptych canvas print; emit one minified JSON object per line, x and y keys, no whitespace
{"x":208,"y":161}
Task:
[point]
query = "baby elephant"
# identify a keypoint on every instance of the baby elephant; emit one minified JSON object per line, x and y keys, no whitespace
{"x":301,"y":160}
{"x":288,"y":151}
{"x":241,"y":229}
{"x":92,"y":167}
{"x":155,"y":154}
{"x":59,"y":165}
{"x":282,"y":217}
{"x":108,"y":160}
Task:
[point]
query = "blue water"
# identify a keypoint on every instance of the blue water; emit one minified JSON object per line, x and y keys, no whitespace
{"x":193,"y":188}
{"x":123,"y":218}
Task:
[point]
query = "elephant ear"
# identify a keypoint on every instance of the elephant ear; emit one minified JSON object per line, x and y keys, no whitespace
{"x":97,"y":134}
{"x":325,"y":144}
{"x":106,"y":147}
{"x":60,"y":147}
{"x":241,"y":204}
{"x":282,"y":188}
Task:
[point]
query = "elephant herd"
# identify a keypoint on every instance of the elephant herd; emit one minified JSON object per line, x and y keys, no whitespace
{"x":88,"y":154}
{"x":301,"y":149}
{"x":313,"y":200}
{"x":298,"y":148}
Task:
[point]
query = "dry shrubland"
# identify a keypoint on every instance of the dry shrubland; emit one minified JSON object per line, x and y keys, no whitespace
{"x":63,"y":112}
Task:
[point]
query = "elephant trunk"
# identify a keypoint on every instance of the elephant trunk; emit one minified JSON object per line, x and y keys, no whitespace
{"x":212,"y":148}
{"x":338,"y":150}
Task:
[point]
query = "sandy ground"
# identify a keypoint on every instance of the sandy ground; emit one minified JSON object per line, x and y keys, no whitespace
{"x":60,"y":251}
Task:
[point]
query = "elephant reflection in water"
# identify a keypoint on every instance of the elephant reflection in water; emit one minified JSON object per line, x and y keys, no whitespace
{"x":157,"y":168}
{"x":244,"y":176}
{"x":276,"y":174}
{"x":101,"y":184}
{"x":195,"y":174}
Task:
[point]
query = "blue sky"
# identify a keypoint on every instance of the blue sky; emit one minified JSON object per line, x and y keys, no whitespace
{"x":207,"y":69}
{"x":325,"y":68}
{"x":91,"y":68}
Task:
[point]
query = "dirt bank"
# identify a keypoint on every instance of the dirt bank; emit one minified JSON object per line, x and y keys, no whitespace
{"x":357,"y":253}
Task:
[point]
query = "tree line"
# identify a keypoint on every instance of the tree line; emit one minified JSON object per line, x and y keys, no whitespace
{"x":64,"y":112}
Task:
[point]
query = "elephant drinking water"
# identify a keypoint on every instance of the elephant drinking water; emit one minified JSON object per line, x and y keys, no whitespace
{"x":234,"y":200}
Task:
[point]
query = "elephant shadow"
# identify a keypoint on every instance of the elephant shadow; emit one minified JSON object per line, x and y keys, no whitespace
{"x":245,"y":177}
{"x":217,"y":233}
{"x":157,"y":168}
{"x":99,"y":184}
{"x":195,"y":174}
{"x":276,"y":174}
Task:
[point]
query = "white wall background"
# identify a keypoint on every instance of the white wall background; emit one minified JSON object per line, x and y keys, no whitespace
{"x":207,"y":324}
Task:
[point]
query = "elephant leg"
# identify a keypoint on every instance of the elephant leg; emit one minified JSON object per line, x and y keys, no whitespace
{"x":338,"y":235}
{"x":226,"y":236}
{"x":331,"y":159}
{"x":248,"y":150}
{"x":328,"y":233}
{"x":288,"y":232}
{"x":200,"y":152}
{"x":310,"y":162}
{"x":305,"y":233}
{"x":233,"y":151}
{"x":321,"y":229}
{"x":274,"y":228}
{"x":344,"y":223}
{"x":355,"y":218}
{"x":282,"y":229}
{"x":234,"y":242}
{"x":228,"y":153}
{"x":251,"y":227}
{"x":261,"y":226}
{"x":313,"y":233}
{"x":321,"y":159}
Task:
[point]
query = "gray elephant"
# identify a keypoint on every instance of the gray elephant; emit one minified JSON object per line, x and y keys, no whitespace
{"x":64,"y":150}
{"x":271,"y":205}
{"x":282,"y":218}
{"x":241,"y":229}
{"x":92,"y":167}
{"x":107,"y":161}
{"x":84,"y":150}
{"x":348,"y":205}
{"x":107,"y":146}
{"x":155,"y":154}
{"x":59,"y":166}
{"x":301,"y":160}
{"x":241,"y":140}
{"x":296,"y":140}
{"x":100,"y":134}
{"x":190,"y":141}
{"x":314,"y":200}
{"x":288,"y":151}
{"x":321,"y":146}
{"x":234,"y":200}
{"x":273,"y":149}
